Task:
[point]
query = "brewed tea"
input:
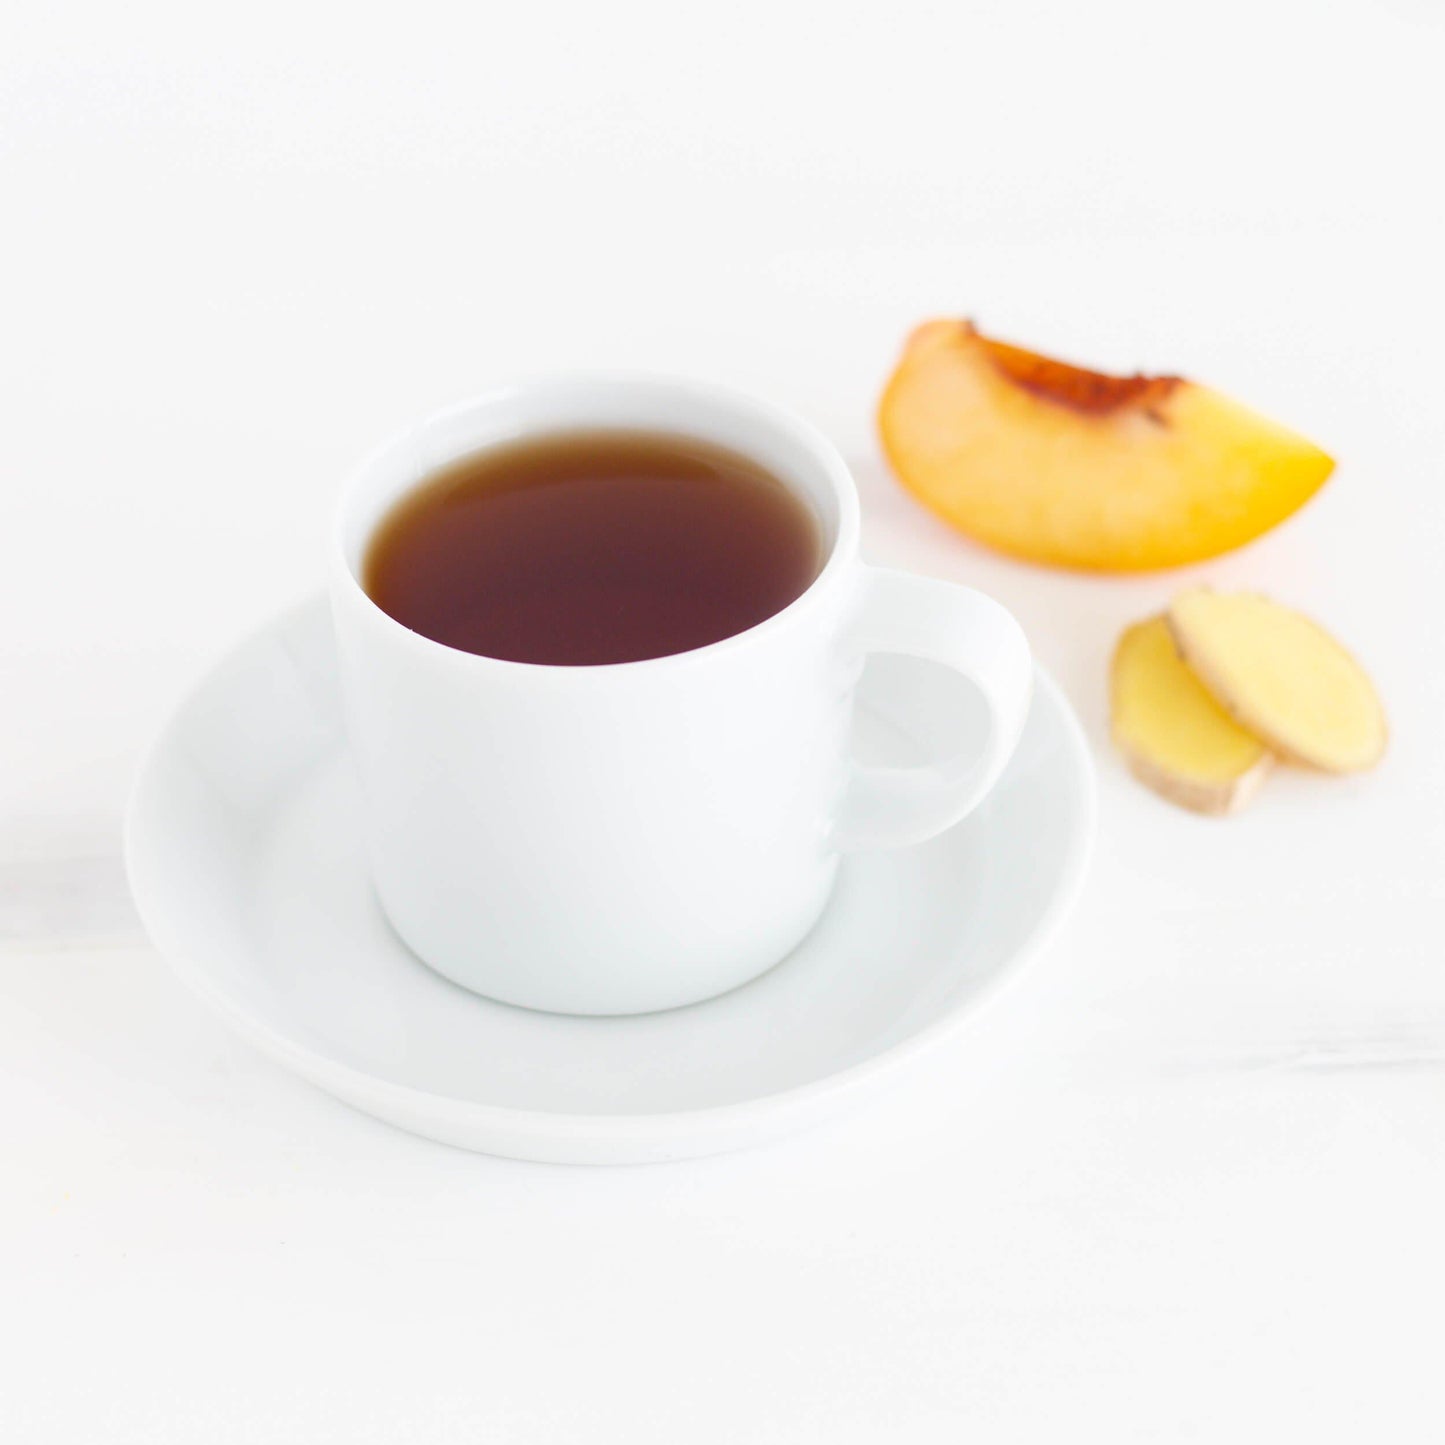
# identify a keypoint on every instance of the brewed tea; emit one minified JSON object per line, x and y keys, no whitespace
{"x":593,"y":547}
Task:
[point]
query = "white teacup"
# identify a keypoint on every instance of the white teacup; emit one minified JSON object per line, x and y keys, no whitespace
{"x":630,"y":837}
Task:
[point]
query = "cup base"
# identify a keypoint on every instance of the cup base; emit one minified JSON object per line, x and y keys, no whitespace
{"x":602,"y":1000}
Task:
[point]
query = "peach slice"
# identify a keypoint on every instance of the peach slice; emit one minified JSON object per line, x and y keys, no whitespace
{"x":1058,"y":464}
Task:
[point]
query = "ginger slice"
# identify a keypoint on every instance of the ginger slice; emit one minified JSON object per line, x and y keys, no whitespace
{"x":1175,"y":737}
{"x":1282,"y":677}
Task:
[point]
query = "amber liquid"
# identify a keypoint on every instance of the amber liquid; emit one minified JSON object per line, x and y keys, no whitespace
{"x":593,"y":547}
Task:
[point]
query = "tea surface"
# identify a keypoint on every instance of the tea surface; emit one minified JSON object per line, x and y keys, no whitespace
{"x":593,"y":547}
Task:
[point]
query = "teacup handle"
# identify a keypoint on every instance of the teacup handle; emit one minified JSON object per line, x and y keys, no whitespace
{"x":971,"y":634}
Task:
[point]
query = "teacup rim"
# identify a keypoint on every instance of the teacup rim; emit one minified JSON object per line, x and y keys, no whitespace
{"x":842,"y":550}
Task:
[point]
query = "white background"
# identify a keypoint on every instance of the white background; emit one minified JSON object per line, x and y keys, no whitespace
{"x":1188,"y":1181}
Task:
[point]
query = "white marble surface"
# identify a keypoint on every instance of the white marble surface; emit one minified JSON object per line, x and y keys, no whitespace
{"x":1189,"y":1182}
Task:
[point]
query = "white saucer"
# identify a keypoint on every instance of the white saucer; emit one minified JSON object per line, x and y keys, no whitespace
{"x":243,"y":851}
